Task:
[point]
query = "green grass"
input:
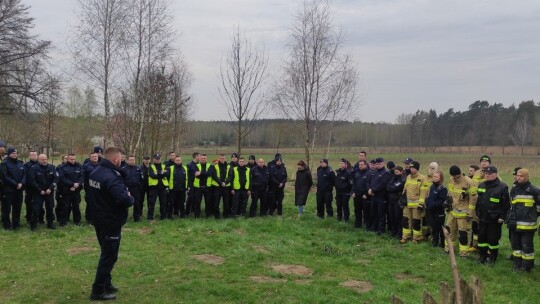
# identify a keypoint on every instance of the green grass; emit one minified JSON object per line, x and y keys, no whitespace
{"x":156,"y":264}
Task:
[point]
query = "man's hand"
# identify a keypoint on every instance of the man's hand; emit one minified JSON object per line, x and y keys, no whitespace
{"x":42,"y":192}
{"x":353,"y":195}
{"x":48,"y":191}
{"x":76,"y":185}
{"x":197,"y":173}
{"x":19,"y":186}
{"x":249,"y":193}
{"x":223,"y":184}
{"x":232,"y":192}
{"x":500,"y":221}
{"x":280,"y":185}
{"x":72,"y":189}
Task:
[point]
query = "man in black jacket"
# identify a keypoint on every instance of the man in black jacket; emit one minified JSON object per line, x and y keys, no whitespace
{"x":29,"y":195}
{"x":14,"y":180}
{"x":377,"y":191}
{"x":42,"y":180}
{"x":110,"y":211}
{"x":360,"y":195}
{"x":259,"y":184}
{"x":325,"y":183}
{"x":276,"y":187}
{"x":70,"y":182}
{"x":89,"y":167}
{"x":192,"y":167}
{"x":343,"y":184}
{"x":178,"y":183}
{"x":133,"y":180}
{"x":220,"y":187}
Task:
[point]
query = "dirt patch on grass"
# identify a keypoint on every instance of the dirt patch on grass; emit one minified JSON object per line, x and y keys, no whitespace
{"x":293,"y":269}
{"x":210,"y":259}
{"x":90,"y":239}
{"x":302,"y":282}
{"x":362,"y":262}
{"x":78,"y":250}
{"x":265,"y":279}
{"x":145,"y":231}
{"x":358,"y":286}
{"x":240,"y":232}
{"x":261,"y":249}
{"x":408,"y":277}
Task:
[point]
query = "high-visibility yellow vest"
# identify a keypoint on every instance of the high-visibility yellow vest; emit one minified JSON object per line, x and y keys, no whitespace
{"x":171,"y":177}
{"x":197,"y":181}
{"x":218,"y":172}
{"x":236,"y":181}
{"x":153,"y":181}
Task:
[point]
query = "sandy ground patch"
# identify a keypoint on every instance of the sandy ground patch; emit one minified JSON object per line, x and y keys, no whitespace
{"x":358,"y":286}
{"x":78,"y":250}
{"x":408,"y":277}
{"x":293,"y":269}
{"x":261,"y":249}
{"x":239,"y":231}
{"x":302,"y":281}
{"x":210,"y":259}
{"x":145,"y":231}
{"x":265,"y":279}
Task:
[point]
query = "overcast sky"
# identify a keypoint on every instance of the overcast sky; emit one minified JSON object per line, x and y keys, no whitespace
{"x":411,"y":54}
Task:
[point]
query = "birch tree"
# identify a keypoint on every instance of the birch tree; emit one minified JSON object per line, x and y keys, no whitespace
{"x":315,"y":73}
{"x":243,"y":72}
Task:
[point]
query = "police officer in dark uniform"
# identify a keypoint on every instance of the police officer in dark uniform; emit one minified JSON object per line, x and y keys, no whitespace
{"x":377,"y":191}
{"x":259,"y":185}
{"x":70,"y":181}
{"x":491,"y":208}
{"x":276,"y":187}
{"x":178,"y":184}
{"x":29,"y":195}
{"x":14,"y":178}
{"x":343,"y":184}
{"x":202,"y":188}
{"x":360,"y":194}
{"x":88,"y":168}
{"x":42,"y":180}
{"x":99,"y":151}
{"x":252,"y":162}
{"x":133,"y":180}
{"x":110,"y":210}
{"x":325,"y":183}
{"x":145,"y":191}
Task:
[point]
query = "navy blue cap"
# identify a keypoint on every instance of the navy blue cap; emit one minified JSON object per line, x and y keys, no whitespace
{"x":408,"y":160}
{"x":2,"y":143}
{"x":157,"y":156}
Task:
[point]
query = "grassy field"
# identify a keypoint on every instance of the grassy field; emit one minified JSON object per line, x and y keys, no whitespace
{"x":262,"y":260}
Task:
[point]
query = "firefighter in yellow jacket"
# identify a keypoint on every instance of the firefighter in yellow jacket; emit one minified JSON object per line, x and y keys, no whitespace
{"x":413,"y":208}
{"x":462,"y":193}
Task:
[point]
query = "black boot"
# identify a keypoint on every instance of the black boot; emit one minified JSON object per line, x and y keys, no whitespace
{"x":50,"y":226}
{"x":111,"y":289}
{"x":482,"y":259}
{"x":101,"y":295}
{"x":517,"y":263}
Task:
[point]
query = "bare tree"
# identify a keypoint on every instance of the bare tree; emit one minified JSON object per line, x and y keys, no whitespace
{"x":23,"y":76}
{"x":522,"y":129}
{"x":51,"y":110}
{"x":315,"y":73}
{"x":242,"y":75}
{"x":97,"y":45}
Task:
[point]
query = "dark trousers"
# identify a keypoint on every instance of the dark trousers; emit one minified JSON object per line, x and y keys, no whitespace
{"x":221,"y":194}
{"x":523,"y":249}
{"x":358,"y":211}
{"x":396,"y":214}
{"x":378,"y":214}
{"x":71,"y":202}
{"x":177,"y":204}
{"x":28,"y":198}
{"x":155,"y":194}
{"x":59,"y":205}
{"x":201,"y":193}
{"x":342,"y":206}
{"x":256,"y":195}
{"x":11,"y":206}
{"x":275,"y":201}
{"x":489,"y":235}
{"x":109,"y":242}
{"x":190,"y":200}
{"x":324,"y":199}
{"x":37,"y":204}
{"x":137,"y":202}
{"x":88,"y":208}
{"x":239,"y":204}
{"x":436,"y":221}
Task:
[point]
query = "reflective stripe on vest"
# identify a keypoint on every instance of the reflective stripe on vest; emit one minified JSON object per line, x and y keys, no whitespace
{"x":197,"y":181}
{"x":527,"y":225}
{"x":494,"y":200}
{"x":412,"y":203}
{"x":236,"y":181}
{"x":459,"y":213}
{"x":153,"y":181}
{"x":171,"y":178}
{"x":527,"y":200}
{"x":218,"y":172}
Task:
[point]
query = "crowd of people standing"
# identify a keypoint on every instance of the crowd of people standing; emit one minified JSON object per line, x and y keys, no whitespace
{"x":387,"y":198}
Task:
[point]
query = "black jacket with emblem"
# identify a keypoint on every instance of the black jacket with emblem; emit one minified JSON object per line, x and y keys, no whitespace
{"x":110,"y":194}
{"x":523,"y":211}
{"x":493,"y":201}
